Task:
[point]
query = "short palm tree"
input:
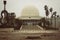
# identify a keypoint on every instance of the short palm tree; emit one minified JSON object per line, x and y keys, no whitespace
{"x":54,"y":13}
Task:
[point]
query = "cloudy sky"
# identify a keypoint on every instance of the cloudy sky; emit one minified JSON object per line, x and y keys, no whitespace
{"x":18,"y":5}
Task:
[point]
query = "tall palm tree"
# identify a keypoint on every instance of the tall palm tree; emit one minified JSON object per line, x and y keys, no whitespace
{"x":46,"y":12}
{"x":51,"y":9}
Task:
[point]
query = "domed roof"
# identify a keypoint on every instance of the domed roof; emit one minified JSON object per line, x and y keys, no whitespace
{"x":30,"y":11}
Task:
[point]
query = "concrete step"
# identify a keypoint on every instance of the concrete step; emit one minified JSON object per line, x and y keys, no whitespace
{"x":31,"y":27}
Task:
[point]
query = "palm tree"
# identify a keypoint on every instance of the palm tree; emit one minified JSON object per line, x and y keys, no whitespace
{"x":51,"y":9}
{"x":54,"y":13}
{"x":46,"y":12}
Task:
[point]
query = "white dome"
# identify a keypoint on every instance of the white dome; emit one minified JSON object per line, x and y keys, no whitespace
{"x":30,"y":11}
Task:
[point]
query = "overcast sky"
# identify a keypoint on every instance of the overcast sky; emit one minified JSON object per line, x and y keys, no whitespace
{"x":17,"y":5}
